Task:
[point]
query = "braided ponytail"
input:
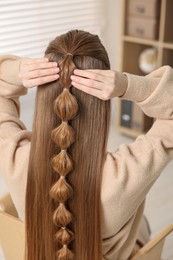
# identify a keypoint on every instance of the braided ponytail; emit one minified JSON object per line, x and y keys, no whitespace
{"x":66,"y":108}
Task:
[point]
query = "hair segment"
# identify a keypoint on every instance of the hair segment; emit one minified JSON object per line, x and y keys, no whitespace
{"x":66,"y":108}
{"x":66,"y":185}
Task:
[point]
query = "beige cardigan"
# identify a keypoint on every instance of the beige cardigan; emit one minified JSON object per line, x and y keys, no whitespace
{"x":129,"y":172}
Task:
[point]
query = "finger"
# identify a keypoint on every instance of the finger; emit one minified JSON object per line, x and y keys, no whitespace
{"x":41,"y":73}
{"x":42,"y":80}
{"x":87,"y":82}
{"x":43,"y":65}
{"x":99,"y":76}
{"x":94,"y":73}
{"x":36,"y":60}
{"x":106,"y":73}
{"x":91,"y":91}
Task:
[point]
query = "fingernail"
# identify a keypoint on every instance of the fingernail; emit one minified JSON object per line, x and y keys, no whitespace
{"x":55,"y":64}
{"x":72,"y":77}
{"x":56,"y":70}
{"x":75,"y":71}
{"x":56,"y":76}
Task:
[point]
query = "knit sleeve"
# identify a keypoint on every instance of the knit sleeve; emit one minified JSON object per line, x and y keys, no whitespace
{"x":14,"y":137}
{"x":132,"y":169}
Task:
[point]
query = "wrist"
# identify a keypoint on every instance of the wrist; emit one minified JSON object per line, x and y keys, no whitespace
{"x":122,"y":84}
{"x":10,"y":70}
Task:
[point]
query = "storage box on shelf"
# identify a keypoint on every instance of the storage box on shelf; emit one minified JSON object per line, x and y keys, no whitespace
{"x":142,"y":18}
{"x":130,"y":120}
{"x":145,"y":28}
{"x":143,"y":8}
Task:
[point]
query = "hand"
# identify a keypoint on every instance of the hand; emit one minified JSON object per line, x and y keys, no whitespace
{"x":35,"y":72}
{"x":103,"y":84}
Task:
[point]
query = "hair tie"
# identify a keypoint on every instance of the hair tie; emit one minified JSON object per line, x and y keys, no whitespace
{"x":63,"y":227}
{"x":63,"y":150}
{"x":69,"y":54}
{"x":62,"y":177}
{"x":66,"y":89}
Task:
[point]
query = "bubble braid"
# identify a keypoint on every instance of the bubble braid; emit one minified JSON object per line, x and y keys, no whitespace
{"x":66,"y":108}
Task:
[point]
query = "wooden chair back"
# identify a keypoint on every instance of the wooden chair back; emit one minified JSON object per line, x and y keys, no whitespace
{"x":153,"y":249}
{"x":12,"y":231}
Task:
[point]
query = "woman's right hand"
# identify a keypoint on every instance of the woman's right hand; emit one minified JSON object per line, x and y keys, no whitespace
{"x":35,"y":72}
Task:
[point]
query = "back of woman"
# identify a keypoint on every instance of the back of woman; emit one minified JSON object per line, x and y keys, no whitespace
{"x":82,"y":202}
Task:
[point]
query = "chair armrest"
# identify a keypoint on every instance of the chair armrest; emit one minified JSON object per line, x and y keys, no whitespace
{"x":7,"y":205}
{"x":153,"y":242}
{"x":154,"y":246}
{"x":12,"y":237}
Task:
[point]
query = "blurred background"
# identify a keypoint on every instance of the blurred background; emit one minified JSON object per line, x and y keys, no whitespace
{"x":138,"y":37}
{"x":26,"y":27}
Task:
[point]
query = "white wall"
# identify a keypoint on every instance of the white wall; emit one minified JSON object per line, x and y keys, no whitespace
{"x":112,"y":31}
{"x":111,"y":39}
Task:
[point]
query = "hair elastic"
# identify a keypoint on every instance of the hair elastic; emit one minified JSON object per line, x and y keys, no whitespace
{"x":63,"y":227}
{"x":69,"y":54}
{"x":63,"y":150}
{"x":62,"y":177}
{"x":66,"y":89}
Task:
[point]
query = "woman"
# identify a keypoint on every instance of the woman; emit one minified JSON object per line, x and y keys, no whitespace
{"x":96,"y":198}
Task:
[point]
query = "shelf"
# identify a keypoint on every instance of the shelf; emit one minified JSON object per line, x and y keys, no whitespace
{"x":168,"y":57}
{"x":141,"y":41}
{"x":130,"y":120}
{"x":168,"y":32}
{"x":132,"y":50}
{"x":168,"y":45}
{"x":128,"y":131}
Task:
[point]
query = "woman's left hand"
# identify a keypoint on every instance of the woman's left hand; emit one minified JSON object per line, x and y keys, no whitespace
{"x":103,"y":84}
{"x":35,"y":72}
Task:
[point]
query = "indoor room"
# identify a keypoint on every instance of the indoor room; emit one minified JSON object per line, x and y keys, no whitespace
{"x":86,"y":129}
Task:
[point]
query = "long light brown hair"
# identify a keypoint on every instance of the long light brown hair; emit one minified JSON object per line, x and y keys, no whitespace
{"x":68,"y":149}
